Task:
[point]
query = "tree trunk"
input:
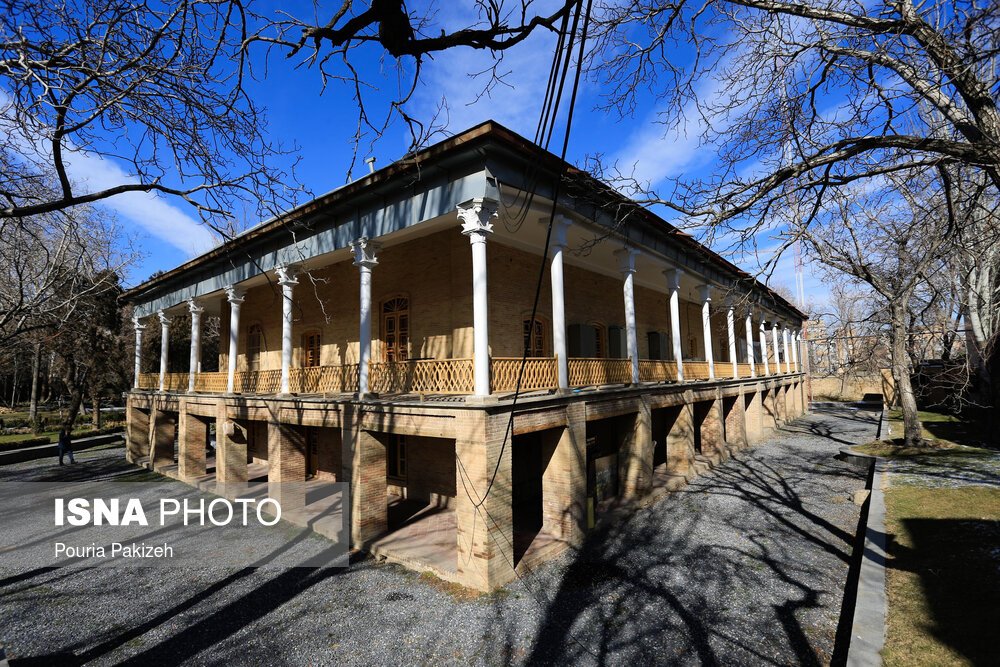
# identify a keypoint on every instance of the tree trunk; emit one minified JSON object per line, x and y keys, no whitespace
{"x":912,"y":435}
{"x":36,"y":362}
{"x":95,"y":406}
{"x":75,"y":393}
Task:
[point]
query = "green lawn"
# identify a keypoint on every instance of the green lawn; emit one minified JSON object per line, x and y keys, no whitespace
{"x":53,"y":436}
{"x":942,"y":427}
{"x":943,"y":529}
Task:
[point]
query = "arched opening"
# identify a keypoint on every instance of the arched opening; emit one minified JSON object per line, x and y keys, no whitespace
{"x":396,"y":329}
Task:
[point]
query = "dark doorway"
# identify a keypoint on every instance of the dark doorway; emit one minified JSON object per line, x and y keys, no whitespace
{"x":527,"y":468}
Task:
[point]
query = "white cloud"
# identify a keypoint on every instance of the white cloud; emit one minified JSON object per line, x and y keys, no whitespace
{"x":90,"y":173}
{"x":148,"y":210}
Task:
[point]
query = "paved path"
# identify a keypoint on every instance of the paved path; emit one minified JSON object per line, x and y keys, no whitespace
{"x":744,"y":566}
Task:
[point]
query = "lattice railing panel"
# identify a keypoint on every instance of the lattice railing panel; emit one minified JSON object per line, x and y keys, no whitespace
{"x":657,"y":370}
{"x":589,"y":372}
{"x":696,"y":370}
{"x":149,"y":381}
{"x":425,"y":376}
{"x":743,"y":370}
{"x":173,"y":382}
{"x":539,"y":373}
{"x":211,"y":382}
{"x":258,"y":382}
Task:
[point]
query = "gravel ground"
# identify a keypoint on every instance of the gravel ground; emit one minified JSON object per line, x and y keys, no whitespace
{"x":744,"y":566}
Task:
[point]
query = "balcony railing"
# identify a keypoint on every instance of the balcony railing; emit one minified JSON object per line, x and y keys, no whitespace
{"x":445,"y":376}
{"x":426,"y":376}
{"x":596,"y":372}
{"x":539,"y":373}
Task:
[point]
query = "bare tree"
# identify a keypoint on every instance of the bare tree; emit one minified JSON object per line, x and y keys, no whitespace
{"x":157,"y":87}
{"x":800,"y":98}
{"x":338,"y":41}
{"x":890,"y":244}
{"x":44,"y":261}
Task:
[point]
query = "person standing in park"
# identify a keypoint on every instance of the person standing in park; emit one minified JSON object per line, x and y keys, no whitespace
{"x":66,"y":444}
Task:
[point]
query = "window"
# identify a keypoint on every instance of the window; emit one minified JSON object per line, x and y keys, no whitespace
{"x":534,"y":338}
{"x":396,"y":329}
{"x":255,"y":345}
{"x":600,"y":341}
{"x":396,"y":457}
{"x":310,"y":349}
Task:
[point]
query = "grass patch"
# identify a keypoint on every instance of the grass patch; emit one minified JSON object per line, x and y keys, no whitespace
{"x":943,"y":575}
{"x":942,"y":427}
{"x":934,"y":452}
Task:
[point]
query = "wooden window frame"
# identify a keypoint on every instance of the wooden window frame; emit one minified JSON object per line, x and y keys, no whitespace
{"x":540,"y":337}
{"x":395,"y":458}
{"x":404,"y":347}
{"x":261,"y":350}
{"x":306,"y":348}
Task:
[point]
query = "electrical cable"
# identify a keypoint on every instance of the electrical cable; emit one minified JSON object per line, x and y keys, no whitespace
{"x":479,"y":503}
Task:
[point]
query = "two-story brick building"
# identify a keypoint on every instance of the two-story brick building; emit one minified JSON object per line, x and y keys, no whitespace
{"x":374,"y":336}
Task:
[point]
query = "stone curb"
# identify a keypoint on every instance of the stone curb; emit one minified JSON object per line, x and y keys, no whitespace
{"x":52,"y":449}
{"x":868,"y":625}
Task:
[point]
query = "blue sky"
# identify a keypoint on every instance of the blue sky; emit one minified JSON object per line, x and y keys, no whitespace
{"x":322,"y":126}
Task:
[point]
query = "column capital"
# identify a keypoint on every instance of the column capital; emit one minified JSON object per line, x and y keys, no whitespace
{"x":194,"y":307}
{"x":164,"y":318}
{"x":560,"y":225}
{"x":476,"y":215}
{"x":673,"y":278}
{"x":286,"y":274}
{"x":626,"y":259}
{"x":365,"y":251}
{"x":137,"y":324}
{"x":705,"y":293}
{"x":235,"y":294}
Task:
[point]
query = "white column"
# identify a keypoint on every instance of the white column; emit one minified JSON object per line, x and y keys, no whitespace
{"x":139,"y":328}
{"x":674,"y":286}
{"x":164,"y":344}
{"x":365,"y":259}
{"x":731,"y":330}
{"x":286,"y":278}
{"x":704,"y":291}
{"x":748,"y":325}
{"x":558,"y":243}
{"x":763,"y":344}
{"x":194,"y":366}
{"x":235,"y":297}
{"x":475,"y":215}
{"x":784,"y":344}
{"x":774,"y":340}
{"x":626,"y":264}
{"x":795,"y":349}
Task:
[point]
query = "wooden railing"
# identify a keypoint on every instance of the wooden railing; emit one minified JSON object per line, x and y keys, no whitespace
{"x":447,"y":376}
{"x":539,"y":373}
{"x":656,"y":370}
{"x":696,"y":370}
{"x":257,"y":382}
{"x":594,"y":372}
{"x":324,"y":379}
{"x":215,"y":383}
{"x":426,"y":376}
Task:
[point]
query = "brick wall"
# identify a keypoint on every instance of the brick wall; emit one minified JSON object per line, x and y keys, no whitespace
{"x":435,"y":272}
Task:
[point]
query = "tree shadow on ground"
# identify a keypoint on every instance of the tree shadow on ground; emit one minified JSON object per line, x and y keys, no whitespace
{"x":655,"y":591}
